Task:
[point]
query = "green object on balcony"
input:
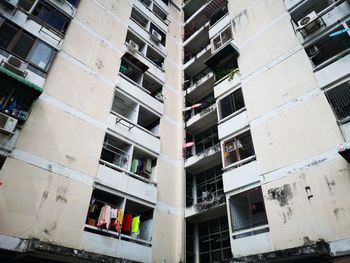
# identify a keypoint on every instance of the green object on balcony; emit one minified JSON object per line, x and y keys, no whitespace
{"x":20,"y":79}
{"x":134,"y":164}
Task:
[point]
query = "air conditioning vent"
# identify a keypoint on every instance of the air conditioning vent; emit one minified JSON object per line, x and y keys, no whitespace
{"x":133,"y":47}
{"x":156,"y":37}
{"x":7,"y":123}
{"x":15,"y":65}
{"x":309,"y":22}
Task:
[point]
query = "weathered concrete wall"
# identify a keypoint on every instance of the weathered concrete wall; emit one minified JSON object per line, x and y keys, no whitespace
{"x":294,"y":130}
{"x":168,"y":233}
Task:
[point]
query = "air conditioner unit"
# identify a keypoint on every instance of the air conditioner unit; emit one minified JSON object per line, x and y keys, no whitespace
{"x":155,"y":36}
{"x":148,"y":166}
{"x":133,"y":47}
{"x":309,"y":22}
{"x":10,"y":4}
{"x":15,"y":65}
{"x":7,"y":123}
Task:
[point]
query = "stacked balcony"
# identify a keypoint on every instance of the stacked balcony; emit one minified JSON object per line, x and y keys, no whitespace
{"x":31,"y":33}
{"x":126,"y":176}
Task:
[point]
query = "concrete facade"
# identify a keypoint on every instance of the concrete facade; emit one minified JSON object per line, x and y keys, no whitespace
{"x":235,"y":113}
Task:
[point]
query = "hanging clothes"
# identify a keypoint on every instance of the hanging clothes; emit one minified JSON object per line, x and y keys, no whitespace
{"x":127,"y":222}
{"x":118,"y":221}
{"x":135,"y":224}
{"x":104,"y":217}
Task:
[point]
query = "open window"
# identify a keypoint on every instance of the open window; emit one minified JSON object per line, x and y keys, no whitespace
{"x":141,"y":218}
{"x":143,"y":163}
{"x":105,"y":214}
{"x":155,"y":57}
{"x":148,"y":120}
{"x":231,"y":103}
{"x":153,"y":86}
{"x":124,"y":106}
{"x":115,"y":153}
{"x":159,"y":12}
{"x":51,"y":17}
{"x":139,"y":18}
{"x":248,"y":211}
{"x":339,"y":98}
{"x":239,"y":150}
{"x":328,"y":48}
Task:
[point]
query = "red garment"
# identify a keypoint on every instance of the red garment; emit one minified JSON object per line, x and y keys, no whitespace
{"x":127,"y":222}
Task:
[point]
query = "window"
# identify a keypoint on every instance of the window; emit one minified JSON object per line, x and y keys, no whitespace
{"x":222,"y":38}
{"x":51,"y":16}
{"x":26,"y":4}
{"x":231,"y":103}
{"x":206,"y":139}
{"x":339,"y":99}
{"x":27,"y":47}
{"x":214,"y":240}
{"x":238,"y":148}
{"x":248,"y":211}
{"x":209,"y":182}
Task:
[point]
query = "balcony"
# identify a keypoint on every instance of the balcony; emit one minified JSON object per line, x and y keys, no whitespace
{"x":226,"y":83}
{"x":203,"y":85}
{"x":194,"y":37}
{"x":134,"y":132}
{"x":196,"y":64}
{"x":241,"y":176}
{"x":253,"y":244}
{"x":204,"y":159}
{"x":203,"y":119}
{"x":223,"y":22}
{"x":233,"y":123}
{"x":152,"y":15}
{"x":111,"y":235}
{"x":249,"y":225}
{"x":142,"y":32}
{"x":126,"y":182}
{"x":208,"y":208}
{"x":134,"y":89}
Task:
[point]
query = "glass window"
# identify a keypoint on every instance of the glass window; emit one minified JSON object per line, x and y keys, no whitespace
{"x":238,"y":148}
{"x":23,"y":45}
{"x":7,"y":33}
{"x":339,"y":99}
{"x":231,"y":103}
{"x":73,"y":2}
{"x":26,"y":4}
{"x":41,"y":55}
{"x":51,"y":16}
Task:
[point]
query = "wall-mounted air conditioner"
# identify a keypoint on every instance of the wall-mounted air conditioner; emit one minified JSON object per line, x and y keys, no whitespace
{"x":309,"y":22}
{"x":15,"y":65}
{"x":7,"y":123}
{"x":133,"y":47}
{"x":156,"y":37}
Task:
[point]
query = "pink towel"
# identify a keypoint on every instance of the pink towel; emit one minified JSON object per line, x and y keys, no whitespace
{"x":105,"y":216}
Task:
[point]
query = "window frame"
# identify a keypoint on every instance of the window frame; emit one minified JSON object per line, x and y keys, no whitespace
{"x":15,"y":41}
{"x":240,"y":161}
{"x":235,"y":112}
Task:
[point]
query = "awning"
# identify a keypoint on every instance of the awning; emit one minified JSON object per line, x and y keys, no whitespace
{"x":135,"y":61}
{"x":23,"y":81}
{"x":213,"y":6}
{"x":227,"y":50}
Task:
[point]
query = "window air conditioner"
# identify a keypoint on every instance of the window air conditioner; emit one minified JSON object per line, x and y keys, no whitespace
{"x":309,"y":22}
{"x":133,"y":47}
{"x":156,"y":37}
{"x":7,"y":123}
{"x":15,"y":65}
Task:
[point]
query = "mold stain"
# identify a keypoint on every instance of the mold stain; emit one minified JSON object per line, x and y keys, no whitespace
{"x":337,"y":211}
{"x":61,"y":194}
{"x":282,"y":194}
{"x":287,"y":215}
{"x":48,"y":231}
{"x":330,"y":183}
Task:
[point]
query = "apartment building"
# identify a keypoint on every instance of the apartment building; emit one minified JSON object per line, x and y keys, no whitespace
{"x":174,"y":131}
